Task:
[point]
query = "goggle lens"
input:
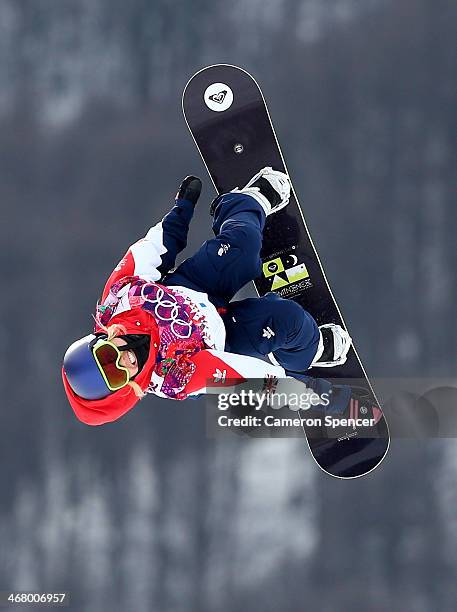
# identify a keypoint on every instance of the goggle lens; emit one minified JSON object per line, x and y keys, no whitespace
{"x":107,"y":356}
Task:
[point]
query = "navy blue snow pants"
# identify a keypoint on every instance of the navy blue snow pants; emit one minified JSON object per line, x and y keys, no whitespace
{"x":269,"y":325}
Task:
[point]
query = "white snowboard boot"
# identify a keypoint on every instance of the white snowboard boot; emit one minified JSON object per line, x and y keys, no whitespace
{"x":334,"y":346}
{"x":270,"y":188}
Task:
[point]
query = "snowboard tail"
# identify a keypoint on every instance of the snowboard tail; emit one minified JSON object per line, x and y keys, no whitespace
{"x":227,"y":116}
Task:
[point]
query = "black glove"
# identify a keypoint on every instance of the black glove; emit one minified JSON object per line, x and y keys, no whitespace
{"x":190,"y":189}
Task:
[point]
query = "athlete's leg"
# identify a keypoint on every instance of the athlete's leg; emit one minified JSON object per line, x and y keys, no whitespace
{"x":227,"y":262}
{"x":273,"y":326}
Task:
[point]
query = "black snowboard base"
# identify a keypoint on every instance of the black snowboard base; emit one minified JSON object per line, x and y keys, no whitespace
{"x":227,"y":116}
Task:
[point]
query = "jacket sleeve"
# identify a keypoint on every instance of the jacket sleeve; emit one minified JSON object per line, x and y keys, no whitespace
{"x":154,"y":255}
{"x":219,"y":370}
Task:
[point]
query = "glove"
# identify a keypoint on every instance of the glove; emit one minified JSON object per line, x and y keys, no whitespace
{"x":190,"y":189}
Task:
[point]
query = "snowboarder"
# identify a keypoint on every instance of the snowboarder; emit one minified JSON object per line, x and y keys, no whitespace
{"x":170,"y":332}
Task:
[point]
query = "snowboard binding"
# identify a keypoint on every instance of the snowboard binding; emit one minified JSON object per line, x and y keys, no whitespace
{"x":270,"y":188}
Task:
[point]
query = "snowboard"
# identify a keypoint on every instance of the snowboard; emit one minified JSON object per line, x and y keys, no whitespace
{"x":227,"y":116}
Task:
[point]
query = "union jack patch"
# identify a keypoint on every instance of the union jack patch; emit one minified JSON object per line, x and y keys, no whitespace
{"x":270,"y":382}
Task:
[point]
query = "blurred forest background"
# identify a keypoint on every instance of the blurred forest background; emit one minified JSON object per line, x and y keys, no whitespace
{"x":147,"y":513}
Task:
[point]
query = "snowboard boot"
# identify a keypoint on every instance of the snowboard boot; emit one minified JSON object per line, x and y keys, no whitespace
{"x":360,"y":417}
{"x":190,"y":189}
{"x":270,"y":188}
{"x":334,"y":345}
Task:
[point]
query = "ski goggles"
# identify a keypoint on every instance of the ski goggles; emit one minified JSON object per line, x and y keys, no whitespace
{"x":107,"y":357}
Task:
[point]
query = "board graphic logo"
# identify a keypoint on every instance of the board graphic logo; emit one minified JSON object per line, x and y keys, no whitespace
{"x":218,"y":97}
{"x":284,"y":272}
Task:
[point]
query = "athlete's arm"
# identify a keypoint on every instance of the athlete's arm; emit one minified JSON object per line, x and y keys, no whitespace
{"x":222,"y":372}
{"x":218,"y":370}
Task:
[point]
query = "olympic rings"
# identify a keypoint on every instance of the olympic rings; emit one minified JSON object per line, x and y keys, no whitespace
{"x":167,"y":310}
